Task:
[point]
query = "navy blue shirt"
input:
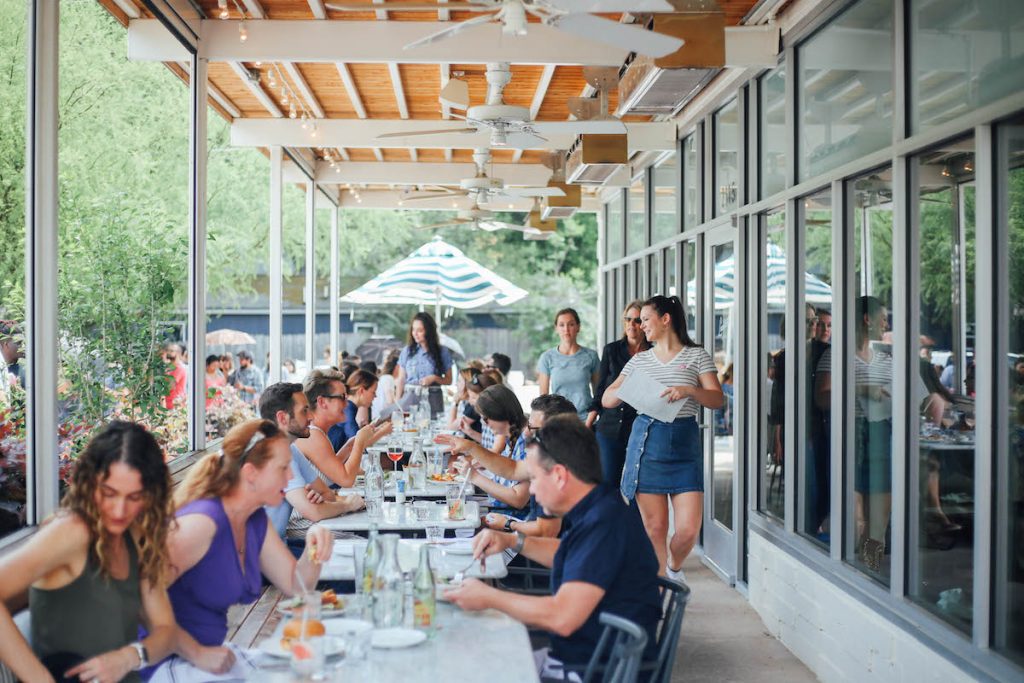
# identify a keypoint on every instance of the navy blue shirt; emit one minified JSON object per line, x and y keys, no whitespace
{"x":343,"y":431}
{"x":604,"y":544}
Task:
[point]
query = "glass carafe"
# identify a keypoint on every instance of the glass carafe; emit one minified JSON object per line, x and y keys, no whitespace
{"x":373,"y":490}
{"x":389,"y":597}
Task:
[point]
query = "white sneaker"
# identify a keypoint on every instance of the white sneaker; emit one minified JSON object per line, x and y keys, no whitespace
{"x":676,"y":574}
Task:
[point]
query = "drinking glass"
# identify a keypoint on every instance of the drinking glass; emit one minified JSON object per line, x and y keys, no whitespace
{"x":373,"y":507}
{"x":422,"y":509}
{"x":434,"y":533}
{"x":395,"y":452}
{"x":359,"y":559}
{"x":455,"y":501}
{"x":307,"y":653}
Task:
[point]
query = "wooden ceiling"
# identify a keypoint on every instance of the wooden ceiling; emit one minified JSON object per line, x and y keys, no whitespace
{"x":374,"y":86}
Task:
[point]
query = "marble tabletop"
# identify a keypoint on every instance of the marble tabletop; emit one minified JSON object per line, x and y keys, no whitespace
{"x":403,"y":518}
{"x":454,"y":556}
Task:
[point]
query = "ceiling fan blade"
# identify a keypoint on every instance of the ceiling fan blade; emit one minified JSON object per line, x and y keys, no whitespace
{"x":450,"y":31}
{"x":634,"y":6}
{"x":411,"y":133}
{"x":533,"y":192}
{"x":492,"y":226}
{"x":427,"y":197}
{"x":625,"y":36}
{"x":609,"y":126}
{"x":446,"y":224}
{"x":401,"y":7}
{"x":524,"y":140}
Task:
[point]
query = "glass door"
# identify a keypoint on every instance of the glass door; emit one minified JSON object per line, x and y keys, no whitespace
{"x":722,"y":491}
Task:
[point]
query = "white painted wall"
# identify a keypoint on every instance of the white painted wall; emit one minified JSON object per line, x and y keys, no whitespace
{"x":837,"y":637}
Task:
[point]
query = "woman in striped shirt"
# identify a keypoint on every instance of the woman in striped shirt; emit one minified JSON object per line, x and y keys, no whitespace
{"x":664,"y":460}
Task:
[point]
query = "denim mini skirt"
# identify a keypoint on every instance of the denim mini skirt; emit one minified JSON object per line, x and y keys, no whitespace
{"x":663,"y":458}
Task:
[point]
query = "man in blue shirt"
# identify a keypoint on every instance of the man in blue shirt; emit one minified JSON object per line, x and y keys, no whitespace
{"x":603,"y":561}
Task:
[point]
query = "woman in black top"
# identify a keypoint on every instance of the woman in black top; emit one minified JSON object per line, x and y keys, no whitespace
{"x":614,"y":424}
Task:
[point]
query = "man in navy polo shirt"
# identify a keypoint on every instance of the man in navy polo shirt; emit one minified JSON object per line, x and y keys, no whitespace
{"x":602,"y":563}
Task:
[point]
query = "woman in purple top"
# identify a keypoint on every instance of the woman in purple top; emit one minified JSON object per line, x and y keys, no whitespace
{"x":223,"y":542}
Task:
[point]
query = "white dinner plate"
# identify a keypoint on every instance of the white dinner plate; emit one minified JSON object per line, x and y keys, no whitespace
{"x":341,"y":627}
{"x":392,"y":638}
{"x":326,"y":611}
{"x":272,"y":646}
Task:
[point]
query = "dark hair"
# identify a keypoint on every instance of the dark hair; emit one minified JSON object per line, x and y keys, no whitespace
{"x":501,"y":362}
{"x":226,"y":356}
{"x":245,"y":354}
{"x":390,"y":362}
{"x":131,"y":444}
{"x":347,"y":369}
{"x":551,"y":405}
{"x":565,"y":440}
{"x":318,"y":384}
{"x":568,"y":311}
{"x":212,"y":358}
{"x":483,"y":380}
{"x":500,"y":403}
{"x":867,"y":305}
{"x":369,"y":366}
{"x":672,"y":306}
{"x":361,"y":379}
{"x":432,"y":338}
{"x":280,"y":396}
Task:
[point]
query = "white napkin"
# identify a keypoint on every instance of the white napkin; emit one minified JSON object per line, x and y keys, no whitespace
{"x":178,"y":670}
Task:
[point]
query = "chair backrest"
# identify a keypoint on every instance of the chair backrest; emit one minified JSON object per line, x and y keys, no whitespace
{"x":674,"y":596}
{"x":616,"y":659}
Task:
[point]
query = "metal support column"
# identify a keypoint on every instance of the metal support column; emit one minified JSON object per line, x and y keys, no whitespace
{"x":195,"y":339}
{"x":276,"y":269}
{"x":310,"y":271}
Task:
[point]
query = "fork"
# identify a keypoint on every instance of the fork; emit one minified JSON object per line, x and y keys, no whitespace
{"x":461,"y":574}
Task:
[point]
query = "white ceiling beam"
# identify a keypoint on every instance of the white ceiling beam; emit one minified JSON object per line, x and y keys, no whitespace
{"x":367,"y":42}
{"x":443,"y":14}
{"x":130,"y":9}
{"x":396,"y":84}
{"x":393,"y":199}
{"x":431,"y":173}
{"x":342,"y":152}
{"x":379,"y":154}
{"x":447,"y":153}
{"x":446,"y":75}
{"x":215,"y":93}
{"x":355,"y":133}
{"x":538,"y":99}
{"x":318,"y":9}
{"x":382,"y":15}
{"x":352,"y":90}
{"x":307,"y":94}
{"x":255,"y":9}
{"x":257,"y":90}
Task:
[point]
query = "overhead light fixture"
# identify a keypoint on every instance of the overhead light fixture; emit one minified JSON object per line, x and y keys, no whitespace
{"x":222,"y":5}
{"x":243,"y":34}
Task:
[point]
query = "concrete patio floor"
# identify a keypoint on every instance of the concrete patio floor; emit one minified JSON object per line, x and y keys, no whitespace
{"x":723,"y":638}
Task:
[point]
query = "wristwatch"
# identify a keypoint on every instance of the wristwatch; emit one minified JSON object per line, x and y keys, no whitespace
{"x":520,"y":542}
{"x":140,"y":650}
{"x":508,"y":524}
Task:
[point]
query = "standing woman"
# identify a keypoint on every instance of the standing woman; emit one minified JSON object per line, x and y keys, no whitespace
{"x":664,"y":460}
{"x":614,"y":424}
{"x":223,"y":545}
{"x":424,"y":361}
{"x":569,"y":369}
{"x":95,"y":571}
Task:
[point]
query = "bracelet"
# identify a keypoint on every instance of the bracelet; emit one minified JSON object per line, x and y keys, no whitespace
{"x":508,"y":524}
{"x":520,"y":542}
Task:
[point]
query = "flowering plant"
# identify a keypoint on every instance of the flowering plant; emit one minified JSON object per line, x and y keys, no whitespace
{"x":226,"y":412}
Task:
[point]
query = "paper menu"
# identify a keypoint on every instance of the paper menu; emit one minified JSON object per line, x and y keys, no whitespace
{"x":643,"y":392}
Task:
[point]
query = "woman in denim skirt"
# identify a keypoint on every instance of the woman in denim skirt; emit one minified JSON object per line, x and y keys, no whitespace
{"x":664,"y":460}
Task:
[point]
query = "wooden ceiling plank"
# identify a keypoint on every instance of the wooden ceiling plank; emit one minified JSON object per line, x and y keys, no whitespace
{"x":303,"y":87}
{"x":257,"y":90}
{"x":353,"y":91}
{"x":318,"y":9}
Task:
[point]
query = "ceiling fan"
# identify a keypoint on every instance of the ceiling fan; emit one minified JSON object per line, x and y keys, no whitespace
{"x":510,"y":126}
{"x":484,"y":188}
{"x":570,"y":16}
{"x":481,"y":219}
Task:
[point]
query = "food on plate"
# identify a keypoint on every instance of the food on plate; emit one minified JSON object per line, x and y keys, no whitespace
{"x":444,"y":477}
{"x":293,"y":631}
{"x":330,"y":599}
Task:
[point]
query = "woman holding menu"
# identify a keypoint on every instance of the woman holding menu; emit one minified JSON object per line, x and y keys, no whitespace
{"x":664,"y":460}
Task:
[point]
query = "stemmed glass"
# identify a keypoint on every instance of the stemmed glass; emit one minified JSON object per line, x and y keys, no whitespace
{"x":395,"y":452}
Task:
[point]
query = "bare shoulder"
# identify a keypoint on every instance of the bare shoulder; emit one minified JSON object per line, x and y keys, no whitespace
{"x":69,"y":527}
{"x":193,"y":527}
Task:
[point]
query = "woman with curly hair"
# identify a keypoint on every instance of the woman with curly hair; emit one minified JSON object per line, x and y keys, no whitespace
{"x":222,"y":545}
{"x":95,"y":571}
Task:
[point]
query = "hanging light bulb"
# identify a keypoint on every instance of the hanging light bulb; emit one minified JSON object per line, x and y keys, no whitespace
{"x":223,"y":6}
{"x":243,"y":33}
{"x":291,"y":111}
{"x":968,"y":167}
{"x":259,"y":64}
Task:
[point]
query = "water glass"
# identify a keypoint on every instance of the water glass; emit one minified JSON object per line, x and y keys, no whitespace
{"x":456,"y":502}
{"x":391,"y":512}
{"x":308,"y":658}
{"x":434,"y":533}
{"x":358,"y":560}
{"x":356,"y":633}
{"x":422,"y":510}
{"x":374,"y":508}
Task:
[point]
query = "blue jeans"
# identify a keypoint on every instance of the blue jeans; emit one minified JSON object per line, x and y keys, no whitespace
{"x":613,"y":455}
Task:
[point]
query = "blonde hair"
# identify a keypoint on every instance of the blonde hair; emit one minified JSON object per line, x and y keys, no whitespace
{"x":218,"y":473}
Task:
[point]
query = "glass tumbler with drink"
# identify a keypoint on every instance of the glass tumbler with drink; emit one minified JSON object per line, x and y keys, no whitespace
{"x":456,"y":502}
{"x":307,"y":637}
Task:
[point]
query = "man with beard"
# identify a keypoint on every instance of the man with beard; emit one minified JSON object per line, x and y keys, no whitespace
{"x":285,"y":405}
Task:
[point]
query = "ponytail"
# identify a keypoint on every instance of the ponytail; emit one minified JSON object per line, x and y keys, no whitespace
{"x":673,"y":307}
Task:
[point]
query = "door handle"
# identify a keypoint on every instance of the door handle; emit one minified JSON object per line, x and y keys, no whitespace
{"x":702,"y":426}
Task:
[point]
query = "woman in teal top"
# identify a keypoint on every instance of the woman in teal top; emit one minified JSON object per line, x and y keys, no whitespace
{"x":569,"y":370}
{"x":95,"y":570}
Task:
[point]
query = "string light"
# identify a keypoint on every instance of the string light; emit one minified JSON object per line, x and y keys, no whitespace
{"x":243,"y":34}
{"x":223,"y":6}
{"x":968,"y":167}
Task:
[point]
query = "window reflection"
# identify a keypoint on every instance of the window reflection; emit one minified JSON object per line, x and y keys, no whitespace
{"x":845,"y":86}
{"x":613,"y":228}
{"x":772,"y":136}
{"x":815,"y":333}
{"x":872,"y":375}
{"x":636,"y":227}
{"x":665,"y":176}
{"x":727,"y":133}
{"x":773,"y":302}
{"x":963,"y":55}
{"x":691,"y":186}
{"x":941,"y":559}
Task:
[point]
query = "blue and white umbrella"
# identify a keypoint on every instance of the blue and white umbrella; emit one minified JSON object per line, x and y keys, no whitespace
{"x":817,"y":291}
{"x":437,"y":273}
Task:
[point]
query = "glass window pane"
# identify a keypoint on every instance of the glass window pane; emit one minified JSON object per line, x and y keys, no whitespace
{"x":723,"y":461}
{"x":941,"y":556}
{"x":870,"y":501}
{"x":636,"y":227}
{"x":666,"y":175}
{"x":670,"y":271}
{"x":845,"y":86}
{"x":727,"y":145}
{"x":123,"y":236}
{"x":773,"y":132}
{"x":613,"y":227}
{"x":14,"y":476}
{"x":1010,"y":530}
{"x":657,"y":287}
{"x":691,"y":184}
{"x":692,"y":293}
{"x":293,"y":343}
{"x":773,"y":302}
{"x":815,"y":330}
{"x":962,"y":56}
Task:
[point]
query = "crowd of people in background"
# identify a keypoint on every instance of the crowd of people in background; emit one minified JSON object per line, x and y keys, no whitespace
{"x":571,"y":483}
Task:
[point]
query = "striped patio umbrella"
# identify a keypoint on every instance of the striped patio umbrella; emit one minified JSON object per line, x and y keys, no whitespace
{"x":437,"y":273}
{"x":818,"y":292}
